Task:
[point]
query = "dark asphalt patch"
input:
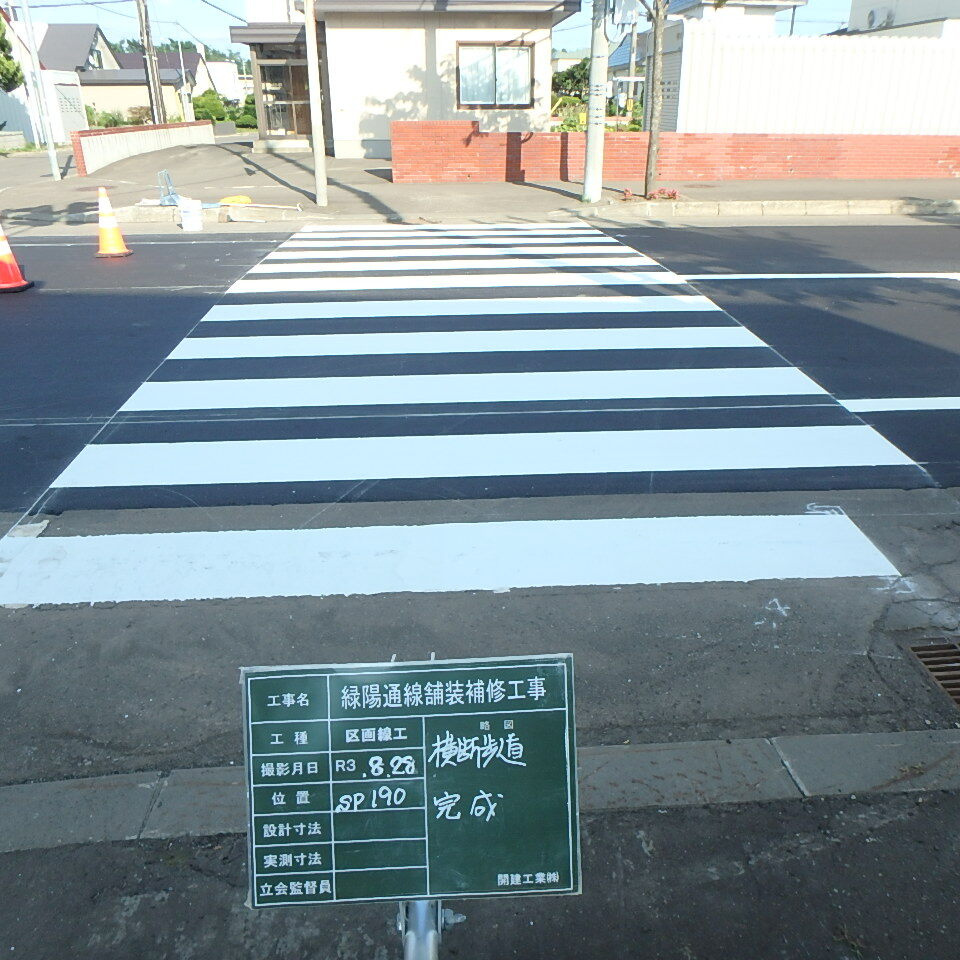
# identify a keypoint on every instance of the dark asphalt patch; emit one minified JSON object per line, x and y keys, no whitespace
{"x":838,"y":878}
{"x":931,"y":248}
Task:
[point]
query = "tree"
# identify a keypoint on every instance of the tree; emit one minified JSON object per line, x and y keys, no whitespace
{"x":656,"y":11}
{"x":209,"y":106}
{"x":173,"y":46}
{"x":574,"y":80}
{"x":125,"y":46}
{"x":11,"y":76}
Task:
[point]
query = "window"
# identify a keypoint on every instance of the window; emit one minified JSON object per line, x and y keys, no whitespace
{"x":96,"y":60}
{"x":283,"y":103}
{"x":494,"y":75}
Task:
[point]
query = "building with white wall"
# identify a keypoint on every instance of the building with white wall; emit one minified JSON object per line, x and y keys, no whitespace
{"x":386,"y":60}
{"x":59,"y":80}
{"x":906,"y":18}
{"x":728,"y":72}
{"x":225,"y":77}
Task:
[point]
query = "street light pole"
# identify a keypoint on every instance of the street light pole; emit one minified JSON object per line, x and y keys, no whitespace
{"x":316,"y":105}
{"x":46,"y":128}
{"x":596,"y":106}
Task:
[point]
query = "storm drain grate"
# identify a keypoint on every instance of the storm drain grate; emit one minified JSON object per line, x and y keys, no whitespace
{"x":942,"y":661}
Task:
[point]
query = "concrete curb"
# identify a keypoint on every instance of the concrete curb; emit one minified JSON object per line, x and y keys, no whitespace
{"x":211,"y":800}
{"x":618,"y":210}
{"x":231,"y":213}
{"x":757,"y":209}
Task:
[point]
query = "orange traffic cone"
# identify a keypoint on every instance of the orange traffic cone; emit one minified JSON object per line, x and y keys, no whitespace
{"x":11,"y":279}
{"x":111,"y":239}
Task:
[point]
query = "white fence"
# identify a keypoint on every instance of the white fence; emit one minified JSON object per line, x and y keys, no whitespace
{"x":98,"y":148}
{"x":892,"y":85}
{"x":64,"y":106}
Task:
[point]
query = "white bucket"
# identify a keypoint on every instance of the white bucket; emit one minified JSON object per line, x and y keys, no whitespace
{"x":191,"y":215}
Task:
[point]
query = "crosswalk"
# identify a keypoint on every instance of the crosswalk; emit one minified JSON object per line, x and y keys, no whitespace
{"x":399,"y":363}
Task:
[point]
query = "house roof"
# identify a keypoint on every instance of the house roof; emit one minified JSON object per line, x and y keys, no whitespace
{"x":268,"y":33}
{"x":169,"y":59}
{"x":621,"y":56}
{"x":125,"y":77}
{"x":66,"y":46}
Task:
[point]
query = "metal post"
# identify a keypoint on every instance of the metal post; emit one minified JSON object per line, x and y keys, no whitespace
{"x":597,"y":106}
{"x":632,"y":70}
{"x":421,"y":929}
{"x":421,"y":924}
{"x":316,"y":105}
{"x":46,"y":128}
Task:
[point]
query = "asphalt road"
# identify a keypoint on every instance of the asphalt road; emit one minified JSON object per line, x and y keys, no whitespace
{"x":100,"y":687}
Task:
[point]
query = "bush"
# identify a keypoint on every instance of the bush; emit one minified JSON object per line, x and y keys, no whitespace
{"x":110,"y":118}
{"x":139,"y":115}
{"x":244,"y":115}
{"x":209,"y":106}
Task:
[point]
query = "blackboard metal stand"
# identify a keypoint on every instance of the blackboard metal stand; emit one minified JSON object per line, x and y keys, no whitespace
{"x":421,"y":924}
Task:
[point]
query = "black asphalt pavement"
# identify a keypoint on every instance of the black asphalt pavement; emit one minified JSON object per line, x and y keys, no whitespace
{"x":87,"y":335}
{"x":884,"y":337}
{"x":106,"y":685}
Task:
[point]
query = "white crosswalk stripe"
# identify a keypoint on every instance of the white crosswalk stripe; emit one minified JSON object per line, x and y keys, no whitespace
{"x":380,"y":251}
{"x":464,"y":341}
{"x":393,"y":362}
{"x":419,"y":266}
{"x":381,"y":458}
{"x":434,"y":558}
{"x":471,"y":307}
{"x":469,"y":388}
{"x":452,"y":281}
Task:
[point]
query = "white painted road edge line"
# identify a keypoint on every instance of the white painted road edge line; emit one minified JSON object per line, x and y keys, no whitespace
{"x":459,"y":307}
{"x":882,"y":404}
{"x":478,"y":455}
{"x":435,"y":558}
{"x":471,"y":388}
{"x":692,"y":277}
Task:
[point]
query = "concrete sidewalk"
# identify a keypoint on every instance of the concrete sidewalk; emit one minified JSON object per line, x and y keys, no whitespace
{"x":211,"y":800}
{"x":362,"y":190}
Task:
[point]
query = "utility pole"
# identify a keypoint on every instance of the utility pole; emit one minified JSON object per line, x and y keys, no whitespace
{"x":46,"y":129}
{"x":596,"y":106}
{"x":316,"y":105}
{"x":632,"y":86}
{"x":151,"y":68}
{"x":185,"y":102}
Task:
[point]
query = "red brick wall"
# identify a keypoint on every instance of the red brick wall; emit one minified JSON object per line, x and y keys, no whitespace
{"x":456,"y":151}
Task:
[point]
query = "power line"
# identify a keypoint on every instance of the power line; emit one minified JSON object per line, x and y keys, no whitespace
{"x":72,"y":3}
{"x":102,"y":3}
{"x":227,"y":12}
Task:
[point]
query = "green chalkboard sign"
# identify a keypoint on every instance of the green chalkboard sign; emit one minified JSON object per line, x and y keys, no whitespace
{"x":395,"y":781}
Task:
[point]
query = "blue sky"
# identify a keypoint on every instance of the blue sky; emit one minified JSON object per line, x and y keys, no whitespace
{"x":818,"y":16}
{"x":118,"y":19}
